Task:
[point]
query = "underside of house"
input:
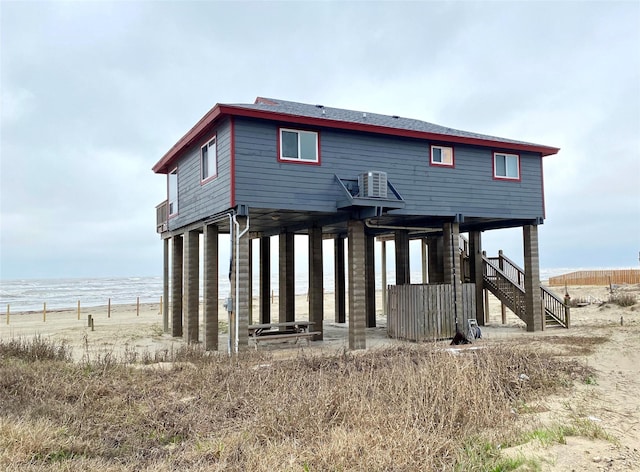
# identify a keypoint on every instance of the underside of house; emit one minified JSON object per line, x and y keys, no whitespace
{"x":353,"y":190}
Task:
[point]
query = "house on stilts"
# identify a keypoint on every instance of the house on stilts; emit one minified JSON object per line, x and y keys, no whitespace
{"x":281,"y":168}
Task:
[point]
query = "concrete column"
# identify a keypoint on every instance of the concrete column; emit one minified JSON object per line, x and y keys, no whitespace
{"x":383,"y":268}
{"x":357,"y":284}
{"x":176,"y":286}
{"x":451,"y":234}
{"x":316,"y":286}
{"x":339,"y":281}
{"x":244,"y":296}
{"x":287,"y":278}
{"x":423,"y":247}
{"x":436,"y":260}
{"x":370,"y":266}
{"x":265,"y":279}
{"x":534,"y":313}
{"x":476,"y":272}
{"x":450,"y":258}
{"x":192,"y":287}
{"x":165,"y":286}
{"x":403,"y":273}
{"x":210,"y":287}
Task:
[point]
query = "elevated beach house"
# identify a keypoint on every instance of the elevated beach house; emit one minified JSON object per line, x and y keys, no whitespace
{"x":280,"y":168}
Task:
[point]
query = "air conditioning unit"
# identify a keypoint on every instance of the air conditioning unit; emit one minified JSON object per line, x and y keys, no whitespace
{"x":373,"y":184}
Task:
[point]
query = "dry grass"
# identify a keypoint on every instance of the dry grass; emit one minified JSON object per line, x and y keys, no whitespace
{"x":409,"y":408}
{"x":623,"y":299}
{"x":563,"y":345}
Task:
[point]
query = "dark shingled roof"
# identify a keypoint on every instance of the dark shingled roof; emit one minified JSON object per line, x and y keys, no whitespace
{"x":364,"y":118}
{"x":319,"y":115}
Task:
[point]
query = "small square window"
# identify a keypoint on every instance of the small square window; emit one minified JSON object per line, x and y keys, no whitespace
{"x":208,"y":160}
{"x":442,"y":156}
{"x":297,"y":145}
{"x":506,"y":166}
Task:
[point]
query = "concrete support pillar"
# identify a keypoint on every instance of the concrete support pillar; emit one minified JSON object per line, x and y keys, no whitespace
{"x":316,"y":285}
{"x":424,"y":266}
{"x":243,"y":295}
{"x":486,"y":306}
{"x":192,"y":287}
{"x":176,"y":286}
{"x":383,"y":268}
{"x":436,"y":260}
{"x":370,"y":267}
{"x":534,"y":315}
{"x":476,"y":272}
{"x":357,"y":284}
{"x":265,"y":279}
{"x":165,"y":286}
{"x":451,"y":261}
{"x":287,"y":278}
{"x":210,"y":287}
{"x":452,"y":275}
{"x":403,"y":273}
{"x":339,"y":281}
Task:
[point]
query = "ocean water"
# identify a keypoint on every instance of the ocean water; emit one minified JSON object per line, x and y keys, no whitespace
{"x":30,"y":294}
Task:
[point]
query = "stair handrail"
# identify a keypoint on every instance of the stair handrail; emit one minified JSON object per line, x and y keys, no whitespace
{"x":552,"y":305}
{"x":511,"y":293}
{"x":463,"y":245}
{"x":555,"y":307}
{"x":512,"y":270}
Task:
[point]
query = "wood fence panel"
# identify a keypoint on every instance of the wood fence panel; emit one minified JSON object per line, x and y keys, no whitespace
{"x":426,"y":312}
{"x":597,"y":277}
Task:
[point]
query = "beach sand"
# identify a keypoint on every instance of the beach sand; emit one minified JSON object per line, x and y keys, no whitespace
{"x":612,"y":402}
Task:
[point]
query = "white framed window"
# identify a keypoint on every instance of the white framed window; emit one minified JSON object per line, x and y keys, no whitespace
{"x":172,"y":191}
{"x":506,"y":166}
{"x":209,"y":160}
{"x":299,"y":146}
{"x":442,"y":156}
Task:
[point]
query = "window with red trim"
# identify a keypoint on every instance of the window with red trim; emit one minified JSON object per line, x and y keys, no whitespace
{"x":442,"y":156}
{"x":172,"y":191}
{"x":506,"y":166}
{"x":298,"y":145}
{"x":208,"y":160}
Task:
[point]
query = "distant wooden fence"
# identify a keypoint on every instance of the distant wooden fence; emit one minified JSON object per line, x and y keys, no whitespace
{"x":597,"y":277}
{"x":426,"y":312}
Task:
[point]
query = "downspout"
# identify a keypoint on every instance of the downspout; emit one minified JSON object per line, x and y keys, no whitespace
{"x":238,"y":235}
{"x":231,"y":232}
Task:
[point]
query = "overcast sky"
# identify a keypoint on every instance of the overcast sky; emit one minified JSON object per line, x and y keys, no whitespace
{"x":94,"y":93}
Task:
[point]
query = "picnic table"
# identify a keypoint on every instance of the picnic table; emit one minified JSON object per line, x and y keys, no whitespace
{"x":281,"y":331}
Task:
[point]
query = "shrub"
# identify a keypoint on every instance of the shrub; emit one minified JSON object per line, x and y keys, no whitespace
{"x":401,"y":408}
{"x":623,"y":299}
{"x":35,"y":349}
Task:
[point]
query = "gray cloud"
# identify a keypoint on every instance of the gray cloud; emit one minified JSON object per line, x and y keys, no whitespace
{"x":94,"y":93}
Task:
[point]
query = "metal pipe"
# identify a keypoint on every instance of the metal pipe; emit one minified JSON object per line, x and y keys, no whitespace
{"x":238,"y":235}
{"x":230,"y":215}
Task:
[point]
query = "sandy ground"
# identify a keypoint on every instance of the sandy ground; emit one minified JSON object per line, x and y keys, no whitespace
{"x":612,"y":402}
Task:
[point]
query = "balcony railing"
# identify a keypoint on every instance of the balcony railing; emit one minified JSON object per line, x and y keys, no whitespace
{"x":162,"y":215}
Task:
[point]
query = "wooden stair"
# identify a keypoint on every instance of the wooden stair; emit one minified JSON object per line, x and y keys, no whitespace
{"x":505,"y":280}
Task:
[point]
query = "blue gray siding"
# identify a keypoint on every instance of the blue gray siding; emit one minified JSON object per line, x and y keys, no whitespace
{"x":469,"y":188}
{"x":197,"y":201}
